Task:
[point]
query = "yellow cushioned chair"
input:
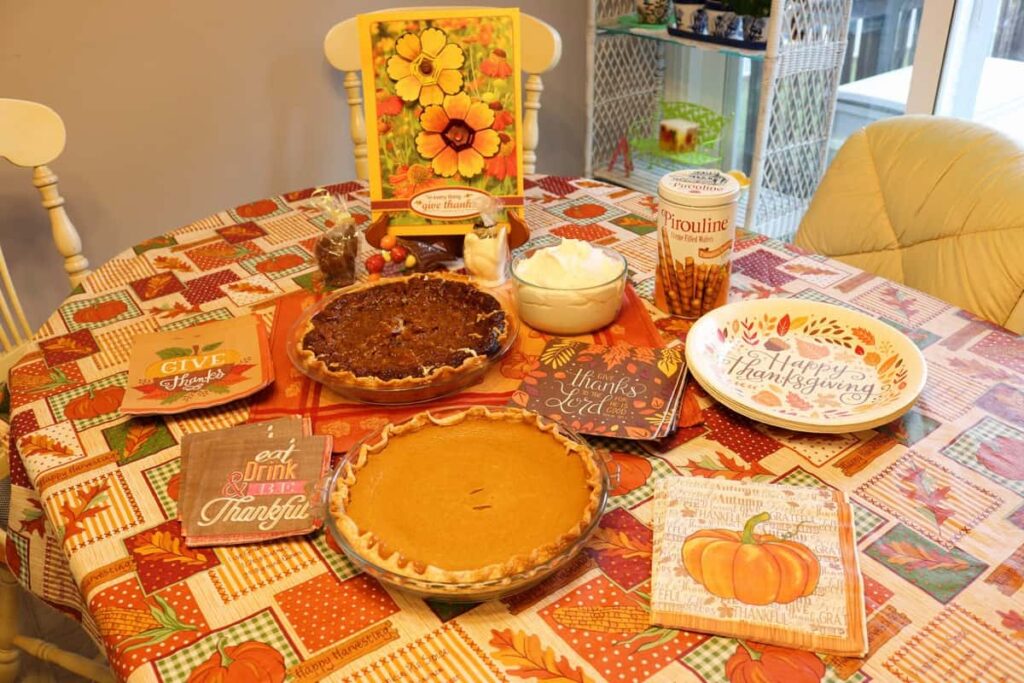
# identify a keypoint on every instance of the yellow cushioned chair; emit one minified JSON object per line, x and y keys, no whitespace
{"x":934,"y":203}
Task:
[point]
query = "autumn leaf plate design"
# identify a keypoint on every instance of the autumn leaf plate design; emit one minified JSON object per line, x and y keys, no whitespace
{"x":805,"y":365}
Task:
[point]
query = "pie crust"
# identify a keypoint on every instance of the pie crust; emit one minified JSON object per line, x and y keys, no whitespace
{"x":370,"y":546}
{"x":467,"y":350}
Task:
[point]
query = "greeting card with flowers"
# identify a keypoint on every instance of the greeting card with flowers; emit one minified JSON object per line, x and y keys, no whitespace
{"x":442,"y":93}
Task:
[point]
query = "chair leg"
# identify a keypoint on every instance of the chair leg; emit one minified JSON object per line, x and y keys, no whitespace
{"x":9,"y":656}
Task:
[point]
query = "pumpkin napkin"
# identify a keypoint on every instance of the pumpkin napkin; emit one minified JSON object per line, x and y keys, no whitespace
{"x":197,"y":367}
{"x":762,"y":562}
{"x":252,"y":483}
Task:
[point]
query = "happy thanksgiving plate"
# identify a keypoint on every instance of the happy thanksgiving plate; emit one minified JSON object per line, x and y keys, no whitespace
{"x":804,"y":365}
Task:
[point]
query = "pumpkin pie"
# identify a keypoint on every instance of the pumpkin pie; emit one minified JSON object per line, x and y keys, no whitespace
{"x":474,"y":495}
{"x":404,"y":332}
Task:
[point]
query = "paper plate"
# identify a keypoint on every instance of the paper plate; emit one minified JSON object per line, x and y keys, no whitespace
{"x":804,"y":365}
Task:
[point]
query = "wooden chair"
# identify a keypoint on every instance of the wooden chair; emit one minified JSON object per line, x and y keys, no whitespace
{"x":32,"y":135}
{"x":544,"y":50}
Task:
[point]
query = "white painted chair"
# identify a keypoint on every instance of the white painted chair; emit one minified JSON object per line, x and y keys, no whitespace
{"x":542,"y":49}
{"x":32,"y":135}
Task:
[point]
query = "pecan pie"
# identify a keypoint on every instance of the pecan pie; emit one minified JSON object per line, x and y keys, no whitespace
{"x":405,"y":332}
{"x":479,"y":494}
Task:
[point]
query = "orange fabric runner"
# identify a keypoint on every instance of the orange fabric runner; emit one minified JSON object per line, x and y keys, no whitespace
{"x":348,"y":421}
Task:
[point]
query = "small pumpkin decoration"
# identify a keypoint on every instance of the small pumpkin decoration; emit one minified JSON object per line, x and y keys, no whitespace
{"x":97,"y":313}
{"x":282,"y":262}
{"x":633,"y":471}
{"x":757,"y":663}
{"x":174,"y":486}
{"x":585,"y":211}
{"x":257,"y":209}
{"x":248,"y":662}
{"x":757,"y":569}
{"x":94,"y":404}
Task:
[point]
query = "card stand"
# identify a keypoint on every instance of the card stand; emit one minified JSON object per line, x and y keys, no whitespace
{"x":518,"y":234}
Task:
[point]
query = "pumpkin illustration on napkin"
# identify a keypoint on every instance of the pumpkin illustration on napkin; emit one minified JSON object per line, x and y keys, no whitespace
{"x":757,"y":569}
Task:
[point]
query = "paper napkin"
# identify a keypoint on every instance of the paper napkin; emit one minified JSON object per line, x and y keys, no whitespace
{"x":622,"y":391}
{"x":761,"y":562}
{"x":252,"y":483}
{"x":197,"y":367}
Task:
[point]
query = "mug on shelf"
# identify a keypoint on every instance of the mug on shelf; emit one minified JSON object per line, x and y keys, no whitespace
{"x":651,"y":11}
{"x":686,"y":14}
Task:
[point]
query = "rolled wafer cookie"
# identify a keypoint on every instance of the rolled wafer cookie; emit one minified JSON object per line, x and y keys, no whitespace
{"x":701,"y":281}
{"x":714,"y":289}
{"x":668,"y":280}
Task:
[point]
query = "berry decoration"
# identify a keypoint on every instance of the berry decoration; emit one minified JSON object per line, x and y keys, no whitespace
{"x":375,"y":263}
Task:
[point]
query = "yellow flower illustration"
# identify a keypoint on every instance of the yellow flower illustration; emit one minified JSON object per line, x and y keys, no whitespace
{"x":457,"y":136}
{"x":426,"y":67}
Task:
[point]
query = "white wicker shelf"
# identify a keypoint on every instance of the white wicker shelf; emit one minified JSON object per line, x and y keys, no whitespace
{"x":664,"y":36}
{"x":799,"y":75}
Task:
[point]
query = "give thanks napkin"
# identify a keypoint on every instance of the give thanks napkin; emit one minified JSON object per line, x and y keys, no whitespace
{"x":252,"y":483}
{"x":765,"y":562}
{"x":622,"y":391}
{"x":197,"y":367}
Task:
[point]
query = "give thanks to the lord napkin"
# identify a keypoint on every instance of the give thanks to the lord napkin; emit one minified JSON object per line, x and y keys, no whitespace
{"x":197,"y":367}
{"x":763,"y":562}
{"x":623,"y":391}
{"x":252,"y":483}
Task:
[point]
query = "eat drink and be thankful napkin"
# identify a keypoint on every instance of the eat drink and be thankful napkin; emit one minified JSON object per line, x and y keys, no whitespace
{"x":252,"y":483}
{"x":621,"y":391}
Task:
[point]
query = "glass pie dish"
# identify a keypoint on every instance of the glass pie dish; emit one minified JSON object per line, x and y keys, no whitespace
{"x":418,"y":392}
{"x":464,"y":591}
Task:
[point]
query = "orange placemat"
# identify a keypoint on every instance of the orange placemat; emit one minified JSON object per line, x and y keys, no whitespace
{"x":295,"y":394}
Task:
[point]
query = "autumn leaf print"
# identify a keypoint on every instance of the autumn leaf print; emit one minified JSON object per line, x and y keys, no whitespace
{"x":136,"y":437}
{"x":1014,"y":621}
{"x":558,"y":353}
{"x":171,"y":263}
{"x":33,"y":520}
{"x":914,"y":557}
{"x":64,"y":344}
{"x":518,"y":649}
{"x":670,"y":361}
{"x":90,"y":502}
{"x":162,"y":546}
{"x":249,"y":288}
{"x":919,"y":487}
{"x":617,"y":543}
{"x":40,"y":444}
{"x":724,"y":467}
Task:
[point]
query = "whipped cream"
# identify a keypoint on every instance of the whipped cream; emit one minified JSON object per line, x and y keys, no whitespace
{"x":570,"y":288}
{"x":572,"y":264}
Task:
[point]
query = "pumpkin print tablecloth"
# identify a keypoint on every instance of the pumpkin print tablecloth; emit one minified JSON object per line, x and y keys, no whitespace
{"x":938,"y":496}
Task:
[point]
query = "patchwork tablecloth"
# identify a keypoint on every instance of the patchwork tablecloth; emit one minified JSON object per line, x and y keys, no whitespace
{"x":938,"y":495}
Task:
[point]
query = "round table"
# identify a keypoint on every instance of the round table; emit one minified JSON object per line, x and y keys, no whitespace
{"x":938,"y":495}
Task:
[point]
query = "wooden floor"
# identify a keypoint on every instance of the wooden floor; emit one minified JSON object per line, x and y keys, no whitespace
{"x":41,"y":621}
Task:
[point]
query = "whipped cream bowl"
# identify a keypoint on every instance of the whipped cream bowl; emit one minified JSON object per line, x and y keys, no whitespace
{"x":570,"y":288}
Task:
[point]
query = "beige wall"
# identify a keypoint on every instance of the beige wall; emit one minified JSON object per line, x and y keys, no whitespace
{"x":175,"y":110}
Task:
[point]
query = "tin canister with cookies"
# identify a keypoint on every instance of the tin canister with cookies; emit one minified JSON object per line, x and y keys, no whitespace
{"x":696,"y":228}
